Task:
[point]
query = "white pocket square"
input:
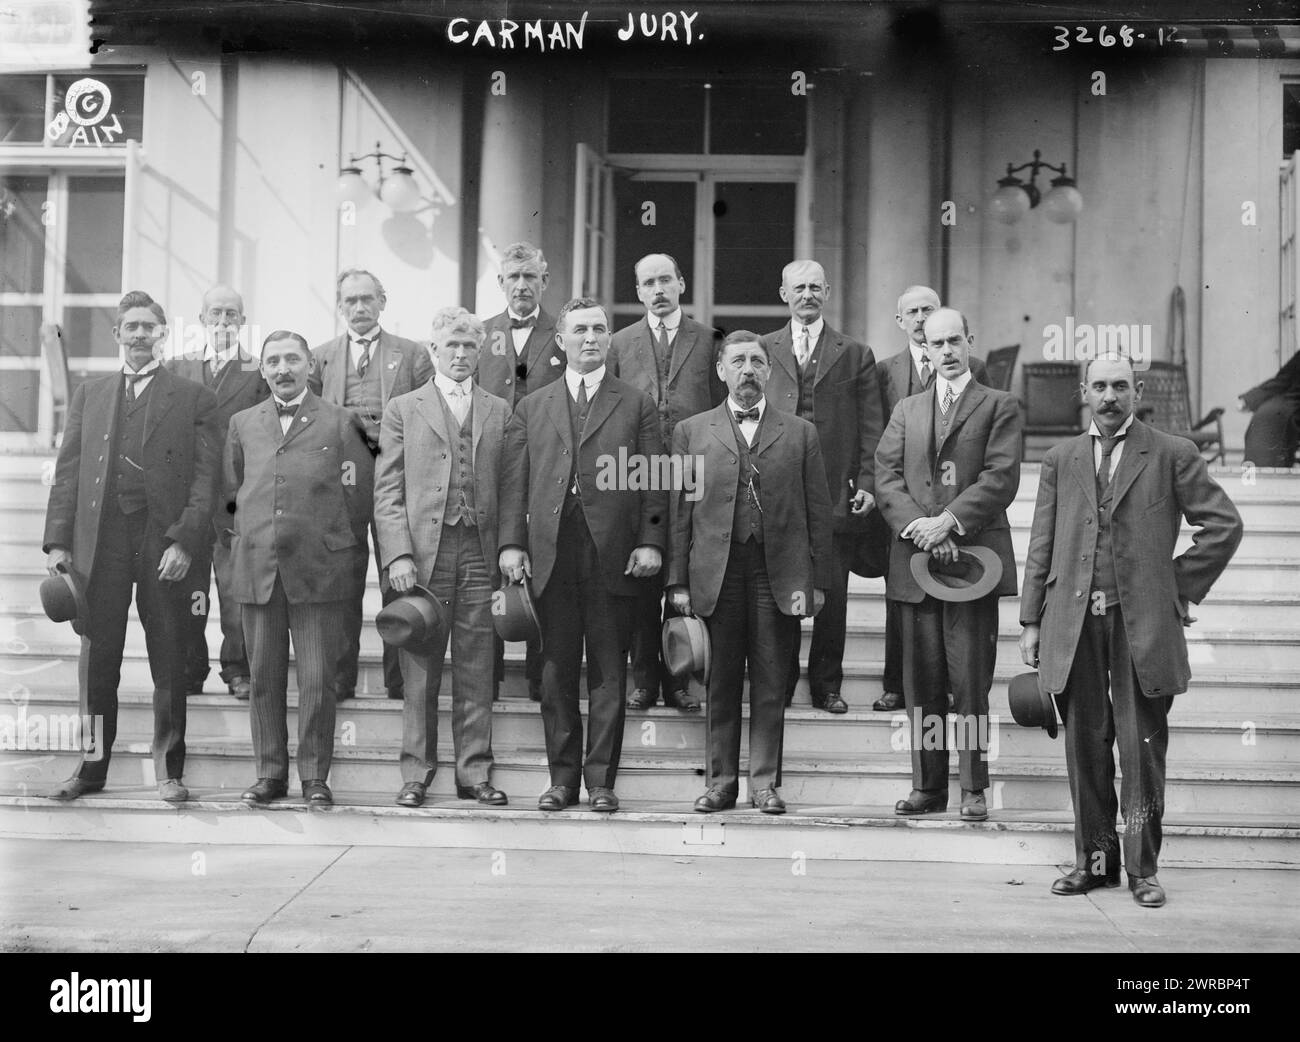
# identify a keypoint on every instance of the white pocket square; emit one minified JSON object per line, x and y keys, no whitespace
{"x":556,"y":361}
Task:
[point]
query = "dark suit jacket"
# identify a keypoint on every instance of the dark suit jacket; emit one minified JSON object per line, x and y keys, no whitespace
{"x":846,"y":410}
{"x":241,"y":387}
{"x":693,"y":383}
{"x":535,"y":477}
{"x":182,"y":459}
{"x":973,"y":473}
{"x":1159,"y":480}
{"x":898,"y":378}
{"x":302,"y":501}
{"x":796,"y":508}
{"x":412,"y":472}
{"x":403,"y":366}
{"x":544,"y":361}
{"x":1285,"y":384}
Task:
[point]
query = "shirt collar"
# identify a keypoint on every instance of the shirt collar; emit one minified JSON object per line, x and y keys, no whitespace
{"x":918,"y":353}
{"x":149,"y":367}
{"x":1095,"y":431}
{"x":535,"y":313}
{"x":736,"y":407}
{"x":447,"y":385}
{"x":372,"y":334}
{"x":211,"y":354}
{"x":672,"y":321}
{"x":814,"y":330}
{"x":592,"y":380}
{"x":295,"y":400}
{"x":958,"y":385}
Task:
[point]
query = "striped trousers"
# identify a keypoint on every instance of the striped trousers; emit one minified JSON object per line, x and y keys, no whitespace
{"x":315,"y":629}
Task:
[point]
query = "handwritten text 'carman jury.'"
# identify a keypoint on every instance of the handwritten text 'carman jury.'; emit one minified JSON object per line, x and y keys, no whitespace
{"x":540,"y":34}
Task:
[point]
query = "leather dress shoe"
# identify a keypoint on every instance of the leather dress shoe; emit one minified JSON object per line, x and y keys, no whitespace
{"x":412,"y":794}
{"x":194,"y":687}
{"x":173,"y":791}
{"x":1080,"y":881}
{"x":683,"y":700}
{"x":642,"y":698}
{"x":484,"y":792}
{"x":767,"y":801}
{"x":1147,"y":891}
{"x":240,"y":688}
{"x":397,"y":693}
{"x":343,"y":696}
{"x":314,"y":790}
{"x":557,"y":797}
{"x":534,"y":690}
{"x":831,"y":702}
{"x":889,"y":702}
{"x":264,"y":790}
{"x":602,"y":799}
{"x":714,"y":800}
{"x":973,"y":805}
{"x":74,"y":788}
{"x":919,"y":802}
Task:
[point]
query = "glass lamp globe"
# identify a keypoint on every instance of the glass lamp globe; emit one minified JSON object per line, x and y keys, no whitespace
{"x":1010,"y":202}
{"x":1063,"y":203}
{"x":400,"y":193}
{"x":351,"y":187}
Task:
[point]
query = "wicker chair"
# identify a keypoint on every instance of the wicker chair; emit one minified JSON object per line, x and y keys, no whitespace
{"x":1166,"y":405}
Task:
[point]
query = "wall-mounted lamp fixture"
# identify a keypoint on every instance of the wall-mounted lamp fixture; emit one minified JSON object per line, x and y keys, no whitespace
{"x":397,"y":189}
{"x":1014,"y":198}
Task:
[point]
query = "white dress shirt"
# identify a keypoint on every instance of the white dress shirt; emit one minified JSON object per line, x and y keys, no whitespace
{"x":1116,"y":452}
{"x":669,"y":322}
{"x":748,"y":427}
{"x":814,"y":334}
{"x":592,"y":379}
{"x":919,"y":353}
{"x":286,"y":420}
{"x":458,"y":394}
{"x":520,"y":336}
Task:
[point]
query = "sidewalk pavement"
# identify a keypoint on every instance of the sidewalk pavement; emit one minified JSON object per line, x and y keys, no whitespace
{"x":58,"y":895}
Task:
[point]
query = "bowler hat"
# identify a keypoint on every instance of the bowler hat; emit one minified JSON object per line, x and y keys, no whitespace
{"x":513,"y":613}
{"x":953,"y":582}
{"x":1031,"y":706}
{"x":413,"y":621}
{"x":686,"y":647}
{"x":63,"y":596}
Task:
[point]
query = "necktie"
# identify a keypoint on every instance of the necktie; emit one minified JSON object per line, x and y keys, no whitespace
{"x":927,"y":374}
{"x":209,"y":372}
{"x":363,"y":362}
{"x":948,"y":399}
{"x":747,"y":414}
{"x":459,"y":403}
{"x":131,"y":380}
{"x":1103,"y":472}
{"x":523,"y":323}
{"x":582,"y":398}
{"x":662,"y":347}
{"x":801,"y":347}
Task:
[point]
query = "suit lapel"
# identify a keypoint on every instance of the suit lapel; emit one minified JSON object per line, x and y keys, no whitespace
{"x":102,"y":408}
{"x":783,"y":350}
{"x":606,"y":400}
{"x":482,"y":403}
{"x":971,"y":397}
{"x":1132,"y":461}
{"x":385,"y":354}
{"x":305,"y":415}
{"x":1085,"y":470}
{"x":683,"y":345}
{"x":540,"y":345}
{"x":159,"y":401}
{"x":430,"y":399}
{"x":336,"y":389}
{"x":772,"y":427}
{"x":643,"y":357}
{"x":557,"y":407}
{"x":832,"y":350}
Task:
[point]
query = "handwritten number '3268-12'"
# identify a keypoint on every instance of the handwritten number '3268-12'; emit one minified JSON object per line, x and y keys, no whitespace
{"x":1103,"y":37}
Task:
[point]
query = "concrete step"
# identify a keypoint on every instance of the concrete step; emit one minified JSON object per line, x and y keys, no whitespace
{"x":1251,"y":691}
{"x":863,"y":780}
{"x":1196,"y":737}
{"x":855,"y":833}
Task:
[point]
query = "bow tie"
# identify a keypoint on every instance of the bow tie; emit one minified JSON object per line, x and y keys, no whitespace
{"x":285,"y":410}
{"x":523,"y":323}
{"x":747,"y":414}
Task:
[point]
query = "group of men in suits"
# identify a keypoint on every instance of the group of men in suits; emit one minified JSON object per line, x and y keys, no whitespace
{"x":477,"y":463}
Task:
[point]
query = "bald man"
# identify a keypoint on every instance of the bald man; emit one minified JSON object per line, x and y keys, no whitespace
{"x":1110,"y":506}
{"x":828,"y":379}
{"x":229,"y":369}
{"x":901,"y":375}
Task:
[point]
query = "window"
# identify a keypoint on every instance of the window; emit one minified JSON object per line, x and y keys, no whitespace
{"x":98,"y":108}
